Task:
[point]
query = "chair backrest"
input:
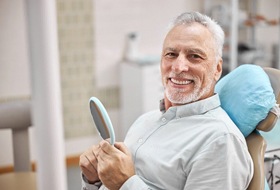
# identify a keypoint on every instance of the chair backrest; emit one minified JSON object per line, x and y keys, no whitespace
{"x":16,"y":116}
{"x":256,"y":143}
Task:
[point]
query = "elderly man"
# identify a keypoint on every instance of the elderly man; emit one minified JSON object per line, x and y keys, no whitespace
{"x":191,"y":143}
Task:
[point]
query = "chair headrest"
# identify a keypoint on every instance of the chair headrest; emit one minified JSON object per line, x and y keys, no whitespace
{"x":247,"y":96}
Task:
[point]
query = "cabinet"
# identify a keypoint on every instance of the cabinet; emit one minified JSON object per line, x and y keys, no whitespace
{"x":251,"y":28}
{"x":140,"y":91}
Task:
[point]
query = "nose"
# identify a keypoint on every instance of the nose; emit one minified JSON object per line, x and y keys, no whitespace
{"x":180,"y":64}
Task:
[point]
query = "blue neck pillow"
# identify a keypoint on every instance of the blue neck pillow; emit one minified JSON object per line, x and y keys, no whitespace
{"x":246,"y":95}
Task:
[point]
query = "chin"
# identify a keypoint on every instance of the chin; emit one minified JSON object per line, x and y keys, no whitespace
{"x":180,"y":99}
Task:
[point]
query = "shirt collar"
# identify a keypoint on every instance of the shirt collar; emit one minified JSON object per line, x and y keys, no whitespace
{"x":195,"y":108}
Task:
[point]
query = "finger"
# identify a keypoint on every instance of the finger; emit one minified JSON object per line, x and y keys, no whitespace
{"x":106,"y":147}
{"x":121,"y":146}
{"x":107,"y":151}
{"x":91,"y":157}
{"x":88,"y":158}
{"x":102,"y":157}
{"x":92,"y":163}
{"x":108,"y":140}
{"x":85,"y":163}
{"x":94,"y":158}
{"x":87,"y":173}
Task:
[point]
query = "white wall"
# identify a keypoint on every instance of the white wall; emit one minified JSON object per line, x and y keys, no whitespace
{"x":14,"y":68}
{"x":115,"y":19}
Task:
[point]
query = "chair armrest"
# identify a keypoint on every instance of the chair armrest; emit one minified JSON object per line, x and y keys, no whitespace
{"x":257,"y":146}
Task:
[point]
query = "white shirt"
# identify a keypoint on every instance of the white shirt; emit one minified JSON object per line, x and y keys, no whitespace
{"x":194,"y":146}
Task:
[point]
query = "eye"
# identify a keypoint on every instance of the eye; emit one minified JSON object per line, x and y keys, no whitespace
{"x":170,"y":55}
{"x":195,"y":58}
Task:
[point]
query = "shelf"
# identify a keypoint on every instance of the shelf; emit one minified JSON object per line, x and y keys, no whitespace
{"x":243,"y":25}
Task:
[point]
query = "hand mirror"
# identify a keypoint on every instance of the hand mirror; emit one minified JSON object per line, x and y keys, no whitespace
{"x":101,"y":120}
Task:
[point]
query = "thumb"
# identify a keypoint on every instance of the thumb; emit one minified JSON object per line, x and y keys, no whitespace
{"x":122,"y":147}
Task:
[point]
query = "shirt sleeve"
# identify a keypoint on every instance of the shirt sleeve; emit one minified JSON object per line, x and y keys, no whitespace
{"x":224,"y":164}
{"x":135,"y":183}
{"x":88,"y":186}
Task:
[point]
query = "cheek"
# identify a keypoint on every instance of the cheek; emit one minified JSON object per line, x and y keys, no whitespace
{"x":163,"y":69}
{"x":163,"y":77}
{"x":203,"y":76}
{"x":208,"y":78}
{"x":162,"y":65}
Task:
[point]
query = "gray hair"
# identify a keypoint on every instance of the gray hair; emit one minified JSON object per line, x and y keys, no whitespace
{"x":214,"y":28}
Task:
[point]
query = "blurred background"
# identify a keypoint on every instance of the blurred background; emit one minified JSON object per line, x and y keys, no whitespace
{"x":111,"y":50}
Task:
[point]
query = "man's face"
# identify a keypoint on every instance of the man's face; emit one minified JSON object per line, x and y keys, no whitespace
{"x":188,"y":64}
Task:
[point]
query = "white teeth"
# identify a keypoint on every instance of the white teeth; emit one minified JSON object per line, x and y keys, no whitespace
{"x":181,"y":82}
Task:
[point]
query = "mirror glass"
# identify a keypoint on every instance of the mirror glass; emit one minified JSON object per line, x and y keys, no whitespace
{"x":102,"y":120}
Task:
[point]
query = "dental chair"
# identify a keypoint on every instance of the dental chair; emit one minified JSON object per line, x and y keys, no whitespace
{"x":16,"y":116}
{"x":261,"y":86}
{"x":256,"y":143}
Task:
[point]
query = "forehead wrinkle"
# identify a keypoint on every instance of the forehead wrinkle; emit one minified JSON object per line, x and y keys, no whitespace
{"x":170,"y":49}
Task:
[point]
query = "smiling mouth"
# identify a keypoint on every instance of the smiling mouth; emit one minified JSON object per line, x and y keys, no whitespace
{"x":180,"y":81}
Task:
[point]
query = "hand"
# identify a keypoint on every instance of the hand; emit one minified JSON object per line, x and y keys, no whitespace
{"x":115,"y":164}
{"x":88,"y":164}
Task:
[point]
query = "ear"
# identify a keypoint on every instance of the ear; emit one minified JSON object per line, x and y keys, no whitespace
{"x":219,"y":69}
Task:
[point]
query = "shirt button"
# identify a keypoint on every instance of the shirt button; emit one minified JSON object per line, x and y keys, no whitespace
{"x":163,"y":120}
{"x":140,"y":140}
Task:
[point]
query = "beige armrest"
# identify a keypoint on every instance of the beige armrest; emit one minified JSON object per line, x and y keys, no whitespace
{"x":257,"y":146}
